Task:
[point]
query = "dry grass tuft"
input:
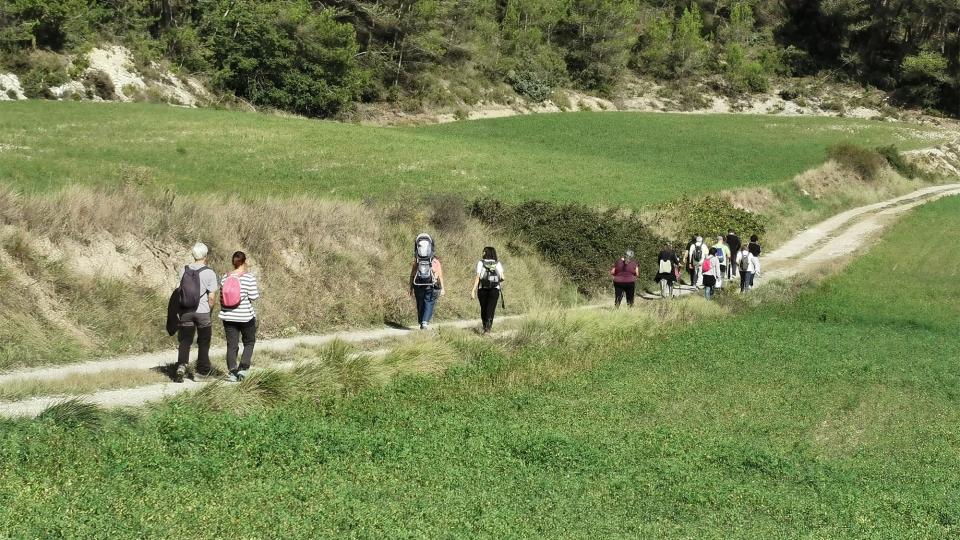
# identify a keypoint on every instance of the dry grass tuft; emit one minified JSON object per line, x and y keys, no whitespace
{"x":73,"y":413}
{"x":421,"y":355}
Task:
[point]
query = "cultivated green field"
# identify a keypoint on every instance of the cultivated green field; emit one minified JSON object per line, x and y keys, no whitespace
{"x":834,"y":416}
{"x":598,"y":158}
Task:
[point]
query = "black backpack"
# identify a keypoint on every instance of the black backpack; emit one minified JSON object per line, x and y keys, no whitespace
{"x":190,"y":290}
{"x":698,"y":253}
{"x":490,"y":278}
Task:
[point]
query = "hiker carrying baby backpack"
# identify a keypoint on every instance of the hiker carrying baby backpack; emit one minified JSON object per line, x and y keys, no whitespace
{"x":423,"y":254}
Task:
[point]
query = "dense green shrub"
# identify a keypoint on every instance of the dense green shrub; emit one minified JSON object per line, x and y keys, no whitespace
{"x":864,"y":162}
{"x":533,"y":85}
{"x":598,"y":37}
{"x":100,"y":83}
{"x":896,"y":160}
{"x":47,"y":24}
{"x":39,"y":71}
{"x":448,"y":212}
{"x":581,"y":240}
{"x":713,"y":216}
{"x":285,"y":55}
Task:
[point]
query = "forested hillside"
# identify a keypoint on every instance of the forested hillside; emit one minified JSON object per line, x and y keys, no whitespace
{"x":318,"y":58}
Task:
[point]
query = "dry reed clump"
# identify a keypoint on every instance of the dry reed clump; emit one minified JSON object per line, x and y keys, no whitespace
{"x":420,"y":356}
{"x":320,"y":264}
{"x":317,"y":374}
{"x":73,"y":413}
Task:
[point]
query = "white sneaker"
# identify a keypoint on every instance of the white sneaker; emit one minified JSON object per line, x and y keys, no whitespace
{"x":242,"y":374}
{"x":232,"y":378}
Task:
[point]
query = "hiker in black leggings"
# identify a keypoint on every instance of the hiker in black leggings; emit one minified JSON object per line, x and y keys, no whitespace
{"x":487,"y":286}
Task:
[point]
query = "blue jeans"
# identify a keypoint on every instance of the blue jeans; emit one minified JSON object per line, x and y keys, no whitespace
{"x":746,"y":281}
{"x":426,"y":300}
{"x":708,"y":292}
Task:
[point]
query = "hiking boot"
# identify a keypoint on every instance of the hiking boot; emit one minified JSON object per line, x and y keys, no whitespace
{"x":242,"y":374}
{"x":179,"y":373}
{"x":202,"y":372}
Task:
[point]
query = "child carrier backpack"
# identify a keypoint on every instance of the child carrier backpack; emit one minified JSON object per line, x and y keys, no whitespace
{"x":423,"y":254}
{"x":191,"y":291}
{"x":490,"y":278}
{"x":230,"y":292}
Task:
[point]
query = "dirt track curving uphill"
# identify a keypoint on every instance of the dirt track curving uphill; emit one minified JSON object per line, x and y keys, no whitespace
{"x":832,"y":240}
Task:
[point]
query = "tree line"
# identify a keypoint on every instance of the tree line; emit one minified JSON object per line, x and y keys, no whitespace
{"x":319,"y":57}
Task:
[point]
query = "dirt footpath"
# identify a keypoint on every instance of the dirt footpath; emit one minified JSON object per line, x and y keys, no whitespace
{"x":832,"y":240}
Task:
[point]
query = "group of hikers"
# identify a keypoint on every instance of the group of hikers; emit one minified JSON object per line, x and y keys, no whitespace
{"x":191,"y":306}
{"x":707,"y":267}
{"x":192,"y":303}
{"x":427,"y":282}
{"x":190,"y":312}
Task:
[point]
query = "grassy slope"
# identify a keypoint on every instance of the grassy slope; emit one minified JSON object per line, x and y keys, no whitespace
{"x":601,"y":158}
{"x":834,"y":417}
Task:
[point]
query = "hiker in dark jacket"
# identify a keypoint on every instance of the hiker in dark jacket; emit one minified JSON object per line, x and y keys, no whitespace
{"x":754,"y":246}
{"x":668,"y":266}
{"x":625,"y":272}
{"x":755,"y":250}
{"x":199,"y":283}
{"x":733,"y":242}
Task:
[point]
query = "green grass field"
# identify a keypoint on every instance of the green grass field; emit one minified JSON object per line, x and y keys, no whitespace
{"x":833,"y":416}
{"x":597,"y":158}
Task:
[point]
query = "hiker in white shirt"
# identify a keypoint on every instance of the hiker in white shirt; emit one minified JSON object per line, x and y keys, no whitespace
{"x":238,"y":290}
{"x":748,"y":265}
{"x":695,"y":257}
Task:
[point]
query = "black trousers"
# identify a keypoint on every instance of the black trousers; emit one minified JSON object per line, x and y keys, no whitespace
{"x":235,"y":332}
{"x":488,"y":305}
{"x":621,"y":289}
{"x":204,"y":335}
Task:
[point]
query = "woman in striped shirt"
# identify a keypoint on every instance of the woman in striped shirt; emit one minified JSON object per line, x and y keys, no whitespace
{"x":240,"y":321}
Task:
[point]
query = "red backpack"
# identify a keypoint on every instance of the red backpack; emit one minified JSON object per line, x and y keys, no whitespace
{"x":706,"y":264}
{"x":230,"y":292}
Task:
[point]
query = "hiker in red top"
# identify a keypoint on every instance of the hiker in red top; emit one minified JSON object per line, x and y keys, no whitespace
{"x":625,"y":272}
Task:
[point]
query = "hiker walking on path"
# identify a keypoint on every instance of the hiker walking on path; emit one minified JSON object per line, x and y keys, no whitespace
{"x":625,"y":272}
{"x":733,"y":249}
{"x":426,"y":279}
{"x":198,"y":282}
{"x":238,"y":290}
{"x":695,"y":257}
{"x":747,"y":265}
{"x":487,"y":286}
{"x":755,"y":250}
{"x":686,"y":259}
{"x":668,"y":270}
{"x":711,"y":272}
{"x":723,"y":256}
